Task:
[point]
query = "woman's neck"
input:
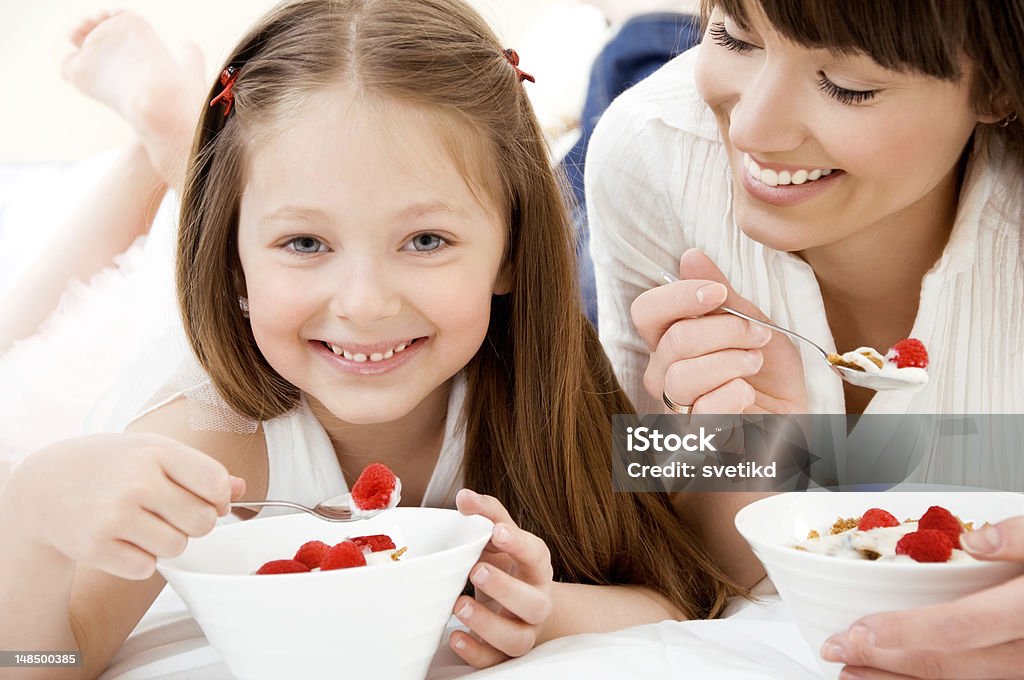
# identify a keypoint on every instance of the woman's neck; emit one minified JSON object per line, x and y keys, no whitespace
{"x":409,"y":445}
{"x":871,"y":281}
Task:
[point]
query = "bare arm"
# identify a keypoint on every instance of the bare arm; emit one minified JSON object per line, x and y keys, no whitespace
{"x":578,"y":608}
{"x":120,"y":209}
{"x":57,"y":603}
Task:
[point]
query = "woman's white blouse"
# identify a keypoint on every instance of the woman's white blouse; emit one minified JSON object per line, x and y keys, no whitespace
{"x":658,"y":183}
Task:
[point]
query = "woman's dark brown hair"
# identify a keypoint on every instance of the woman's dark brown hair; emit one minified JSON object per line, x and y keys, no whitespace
{"x":540,"y":391}
{"x":930,"y":37}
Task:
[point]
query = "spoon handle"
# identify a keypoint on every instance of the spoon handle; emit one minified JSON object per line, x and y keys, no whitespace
{"x":671,"y":279}
{"x":260,"y":504}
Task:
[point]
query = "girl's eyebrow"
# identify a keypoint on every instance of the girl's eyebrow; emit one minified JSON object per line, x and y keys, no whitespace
{"x":298,"y":212}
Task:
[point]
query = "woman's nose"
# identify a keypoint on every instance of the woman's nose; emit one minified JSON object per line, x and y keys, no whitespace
{"x":363,"y":293}
{"x":768,"y":115}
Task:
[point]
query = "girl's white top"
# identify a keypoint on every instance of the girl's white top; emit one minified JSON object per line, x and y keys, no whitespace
{"x":658,"y":183}
{"x":303,"y":467}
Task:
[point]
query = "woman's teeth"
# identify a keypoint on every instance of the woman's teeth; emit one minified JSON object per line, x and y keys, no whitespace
{"x":359,"y":357}
{"x":784,"y":177}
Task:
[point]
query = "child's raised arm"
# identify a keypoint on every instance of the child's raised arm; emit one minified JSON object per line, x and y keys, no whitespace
{"x":83,"y":522}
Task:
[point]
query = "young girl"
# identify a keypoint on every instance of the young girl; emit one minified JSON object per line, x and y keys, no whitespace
{"x":374,"y":264}
{"x":851,"y":171}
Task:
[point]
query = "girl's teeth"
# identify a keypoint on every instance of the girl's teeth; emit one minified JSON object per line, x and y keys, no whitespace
{"x":361,"y":358}
{"x":772,"y":178}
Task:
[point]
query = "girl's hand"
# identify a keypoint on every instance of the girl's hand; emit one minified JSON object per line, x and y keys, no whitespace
{"x":514,"y":576}
{"x":715,"y":362}
{"x":978,"y":636}
{"x":118,"y":502}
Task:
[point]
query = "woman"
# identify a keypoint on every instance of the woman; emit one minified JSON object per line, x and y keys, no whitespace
{"x":851,"y":171}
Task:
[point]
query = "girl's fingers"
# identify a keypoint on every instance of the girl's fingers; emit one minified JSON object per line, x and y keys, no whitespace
{"x":655,"y":310}
{"x":124,"y":560}
{"x":196,"y":472}
{"x":506,"y":635}
{"x":533,"y":559}
{"x":474,"y":652}
{"x":153,"y":535}
{"x":734,"y":396}
{"x":524,"y":601}
{"x":470,"y":502}
{"x":687,"y":380}
{"x":182,"y":509}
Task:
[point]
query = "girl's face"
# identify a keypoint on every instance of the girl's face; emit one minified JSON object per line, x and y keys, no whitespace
{"x":369,"y":261}
{"x":888,"y":141}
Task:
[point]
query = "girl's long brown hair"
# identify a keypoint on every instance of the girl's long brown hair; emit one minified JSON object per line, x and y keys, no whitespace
{"x":540,"y":391}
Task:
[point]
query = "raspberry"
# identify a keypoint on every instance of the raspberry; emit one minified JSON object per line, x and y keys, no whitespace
{"x":342,"y":556}
{"x":372,"y":491}
{"x":940,"y":519}
{"x":374,"y":543}
{"x":311,"y":553}
{"x":282,"y":567}
{"x":909,"y":353}
{"x":876,"y":517}
{"x":926,"y":545}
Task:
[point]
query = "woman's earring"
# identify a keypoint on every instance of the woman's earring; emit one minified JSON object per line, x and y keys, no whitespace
{"x":1009,"y":119}
{"x":243,"y":304}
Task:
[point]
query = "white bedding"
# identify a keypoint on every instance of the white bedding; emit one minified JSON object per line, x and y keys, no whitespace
{"x":756,"y":641}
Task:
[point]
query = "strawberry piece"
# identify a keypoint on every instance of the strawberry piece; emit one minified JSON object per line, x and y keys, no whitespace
{"x":282,"y":567}
{"x":373,"y":489}
{"x":875,"y":518}
{"x":909,"y":353}
{"x":311,"y":553}
{"x":926,"y":545}
{"x":374,"y":543}
{"x":342,"y":556}
{"x":940,"y":519}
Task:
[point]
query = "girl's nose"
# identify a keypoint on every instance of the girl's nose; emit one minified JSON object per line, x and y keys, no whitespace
{"x":768,"y":116}
{"x":363,"y":294}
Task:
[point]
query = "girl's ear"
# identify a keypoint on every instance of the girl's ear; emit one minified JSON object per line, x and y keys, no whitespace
{"x":503,"y":282}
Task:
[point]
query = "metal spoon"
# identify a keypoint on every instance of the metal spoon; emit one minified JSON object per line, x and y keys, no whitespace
{"x":337,"y":509}
{"x":873,"y":381}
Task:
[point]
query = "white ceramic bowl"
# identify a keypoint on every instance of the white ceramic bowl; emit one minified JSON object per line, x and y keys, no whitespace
{"x":378,"y":621}
{"x":826,"y":594}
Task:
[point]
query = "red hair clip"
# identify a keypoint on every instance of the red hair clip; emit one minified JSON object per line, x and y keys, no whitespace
{"x":513,"y":58}
{"x":226,"y":96}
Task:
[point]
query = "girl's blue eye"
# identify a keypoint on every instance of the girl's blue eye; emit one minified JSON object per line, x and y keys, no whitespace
{"x":304,"y":245}
{"x":722,"y":37}
{"x":427,"y":243}
{"x":841,"y":93}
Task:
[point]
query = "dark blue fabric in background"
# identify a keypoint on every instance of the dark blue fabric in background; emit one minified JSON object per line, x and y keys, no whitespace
{"x":642,"y":46}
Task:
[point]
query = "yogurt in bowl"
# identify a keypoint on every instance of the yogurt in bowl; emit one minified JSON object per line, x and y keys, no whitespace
{"x":826,"y":595}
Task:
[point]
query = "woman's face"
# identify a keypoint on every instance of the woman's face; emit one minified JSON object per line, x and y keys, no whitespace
{"x":825,"y":147}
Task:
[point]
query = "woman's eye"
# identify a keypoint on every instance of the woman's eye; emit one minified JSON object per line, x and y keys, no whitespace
{"x":723,"y":38}
{"x":425,"y":243}
{"x":841,"y":94}
{"x":304,"y":245}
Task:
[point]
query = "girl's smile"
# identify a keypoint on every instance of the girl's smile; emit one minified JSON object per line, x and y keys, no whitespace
{"x":372,"y":359}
